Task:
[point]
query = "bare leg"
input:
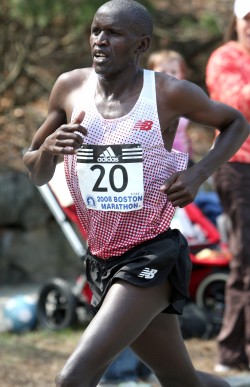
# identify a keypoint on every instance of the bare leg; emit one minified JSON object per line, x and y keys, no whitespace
{"x":124,"y":315}
{"x":162,"y":348}
{"x":128,"y":315}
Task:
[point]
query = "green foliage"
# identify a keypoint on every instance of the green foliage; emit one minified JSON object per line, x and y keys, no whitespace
{"x":46,"y":12}
{"x":209,"y":22}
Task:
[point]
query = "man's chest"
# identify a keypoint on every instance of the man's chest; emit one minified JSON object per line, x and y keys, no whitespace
{"x":113,"y":108}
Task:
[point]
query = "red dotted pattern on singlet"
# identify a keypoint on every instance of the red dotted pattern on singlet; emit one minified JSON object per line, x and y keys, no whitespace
{"x":112,"y":233}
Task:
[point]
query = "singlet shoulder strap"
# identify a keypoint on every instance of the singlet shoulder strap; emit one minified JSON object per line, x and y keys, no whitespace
{"x":149,"y":91}
{"x":86,"y":95}
{"x":90,"y":86}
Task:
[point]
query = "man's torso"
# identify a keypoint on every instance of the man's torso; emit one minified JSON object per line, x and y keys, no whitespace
{"x":115,"y":108}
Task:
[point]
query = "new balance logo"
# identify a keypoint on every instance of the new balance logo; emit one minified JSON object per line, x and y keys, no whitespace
{"x":143,"y":125}
{"x":148,"y":273}
{"x":108,"y":156}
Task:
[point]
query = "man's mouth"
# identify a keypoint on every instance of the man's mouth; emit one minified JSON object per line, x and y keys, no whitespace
{"x":100,"y":57}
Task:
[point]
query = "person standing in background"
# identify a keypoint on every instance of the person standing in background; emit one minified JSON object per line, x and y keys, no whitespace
{"x":228,"y":81}
{"x":173,"y":63}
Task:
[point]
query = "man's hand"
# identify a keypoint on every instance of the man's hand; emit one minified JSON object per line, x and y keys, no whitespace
{"x":181,"y":187}
{"x":67,"y":138}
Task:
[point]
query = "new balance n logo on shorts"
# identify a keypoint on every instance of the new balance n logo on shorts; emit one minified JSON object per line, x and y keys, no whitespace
{"x":148,"y":273}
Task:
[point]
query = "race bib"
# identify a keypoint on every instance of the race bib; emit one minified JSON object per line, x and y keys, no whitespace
{"x":111,"y":177}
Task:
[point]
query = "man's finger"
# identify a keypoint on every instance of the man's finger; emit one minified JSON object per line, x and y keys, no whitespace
{"x":168,"y":182}
{"x":79,"y":118}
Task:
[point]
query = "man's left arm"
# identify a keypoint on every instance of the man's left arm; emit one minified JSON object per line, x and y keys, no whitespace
{"x":234,"y":129}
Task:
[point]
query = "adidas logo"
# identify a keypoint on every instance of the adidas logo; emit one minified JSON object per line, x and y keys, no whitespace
{"x":148,"y":273}
{"x":108,"y":156}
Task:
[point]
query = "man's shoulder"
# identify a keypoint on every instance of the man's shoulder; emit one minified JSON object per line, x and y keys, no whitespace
{"x":75,"y":77}
{"x":68,"y":83}
{"x":169,"y":85}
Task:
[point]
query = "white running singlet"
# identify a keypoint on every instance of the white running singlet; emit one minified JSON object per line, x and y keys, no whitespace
{"x":116,"y":175}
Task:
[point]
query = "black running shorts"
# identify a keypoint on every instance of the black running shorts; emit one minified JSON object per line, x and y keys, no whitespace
{"x":148,"y":264}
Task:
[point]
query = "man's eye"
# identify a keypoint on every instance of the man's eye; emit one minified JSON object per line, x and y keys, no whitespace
{"x":95,"y":31}
{"x":112,"y":32}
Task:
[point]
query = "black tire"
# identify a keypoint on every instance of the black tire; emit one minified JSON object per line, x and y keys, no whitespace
{"x":56,"y":307}
{"x":210,"y":297}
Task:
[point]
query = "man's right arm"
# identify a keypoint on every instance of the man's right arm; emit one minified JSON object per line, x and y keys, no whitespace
{"x":54,"y":138}
{"x":40,"y":159}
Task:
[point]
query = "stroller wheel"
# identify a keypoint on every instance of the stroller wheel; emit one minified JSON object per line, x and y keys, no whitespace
{"x":211,"y":298}
{"x":56,"y":307}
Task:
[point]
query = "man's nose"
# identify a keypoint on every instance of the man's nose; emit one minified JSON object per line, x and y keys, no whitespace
{"x":102,"y":38}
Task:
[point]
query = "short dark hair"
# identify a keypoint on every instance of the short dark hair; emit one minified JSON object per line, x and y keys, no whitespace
{"x":143,"y":22}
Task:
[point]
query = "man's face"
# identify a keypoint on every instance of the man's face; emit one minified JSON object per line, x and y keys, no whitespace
{"x":113,"y":42}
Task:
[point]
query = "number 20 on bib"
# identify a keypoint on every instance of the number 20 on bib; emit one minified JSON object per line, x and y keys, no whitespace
{"x":111,"y":177}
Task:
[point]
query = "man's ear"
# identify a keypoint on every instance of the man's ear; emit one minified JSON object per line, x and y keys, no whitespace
{"x":143,"y":44}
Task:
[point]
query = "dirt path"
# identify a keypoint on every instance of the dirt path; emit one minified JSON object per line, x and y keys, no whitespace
{"x":33,"y":359}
